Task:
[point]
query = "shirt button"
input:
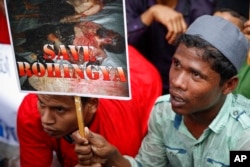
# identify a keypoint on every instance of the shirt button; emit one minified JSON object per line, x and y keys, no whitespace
{"x":235,"y":113}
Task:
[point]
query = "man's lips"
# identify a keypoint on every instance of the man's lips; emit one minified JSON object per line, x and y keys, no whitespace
{"x":176,"y":99}
{"x":49,"y":130}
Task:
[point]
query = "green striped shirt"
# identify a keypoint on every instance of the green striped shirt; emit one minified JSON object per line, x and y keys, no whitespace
{"x":169,"y":143}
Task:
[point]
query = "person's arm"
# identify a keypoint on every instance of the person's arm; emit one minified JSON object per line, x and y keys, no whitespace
{"x":95,"y":149}
{"x":34,"y":148}
{"x":135,"y":27}
{"x":171,"y":19}
{"x":139,"y":16}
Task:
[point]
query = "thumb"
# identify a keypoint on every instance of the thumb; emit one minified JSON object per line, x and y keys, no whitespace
{"x":83,"y":139}
{"x":100,"y":146}
{"x":97,"y":141}
{"x":92,"y":137}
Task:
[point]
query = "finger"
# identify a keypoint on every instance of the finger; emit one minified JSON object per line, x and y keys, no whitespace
{"x":176,"y":29}
{"x":91,"y":136}
{"x":84,"y":162}
{"x":84,"y":157}
{"x":91,"y":162}
{"x":170,"y":28}
{"x":246,"y":30}
{"x":172,"y":34}
{"x":88,"y":133}
{"x":247,"y":23}
{"x":179,"y":29}
{"x":171,"y":40}
{"x":82,"y":149}
{"x":99,"y":145}
{"x":79,"y":165}
{"x":171,"y":23}
{"x":178,"y":21}
{"x":96,"y":165}
{"x":183,"y":25}
{"x":96,"y":159}
{"x":78,"y":138}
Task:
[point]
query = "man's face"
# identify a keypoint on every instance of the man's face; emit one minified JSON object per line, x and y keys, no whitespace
{"x":194,"y":86}
{"x":58,"y":116}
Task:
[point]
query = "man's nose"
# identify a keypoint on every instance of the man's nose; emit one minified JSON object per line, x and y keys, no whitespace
{"x":180,"y":80}
{"x":47,"y":116}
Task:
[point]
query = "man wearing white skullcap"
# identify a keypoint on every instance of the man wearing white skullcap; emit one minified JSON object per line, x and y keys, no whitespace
{"x":200,"y":121}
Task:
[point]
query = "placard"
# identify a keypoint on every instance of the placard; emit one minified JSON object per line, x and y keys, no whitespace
{"x":73,"y":47}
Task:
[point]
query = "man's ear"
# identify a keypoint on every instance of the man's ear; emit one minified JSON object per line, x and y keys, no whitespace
{"x":90,"y":108}
{"x":92,"y":104}
{"x":230,"y":85}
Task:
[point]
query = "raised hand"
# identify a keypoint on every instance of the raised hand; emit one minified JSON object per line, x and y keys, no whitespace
{"x":93,"y":150}
{"x":171,"y":19}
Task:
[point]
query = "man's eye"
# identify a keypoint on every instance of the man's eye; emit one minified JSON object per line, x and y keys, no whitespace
{"x":41,"y":104}
{"x":196,"y":74}
{"x":176,"y":62}
{"x":59,"y":109}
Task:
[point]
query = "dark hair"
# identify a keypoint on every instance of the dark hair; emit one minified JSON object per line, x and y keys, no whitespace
{"x":219,"y":63}
{"x":118,"y":41}
{"x":84,"y":99}
{"x":232,"y":13}
{"x":65,"y":32}
{"x":242,"y":8}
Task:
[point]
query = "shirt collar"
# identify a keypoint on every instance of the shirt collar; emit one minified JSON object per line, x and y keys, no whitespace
{"x":177,"y":121}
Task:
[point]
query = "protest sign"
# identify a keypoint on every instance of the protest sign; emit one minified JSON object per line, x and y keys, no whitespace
{"x":70,"y":47}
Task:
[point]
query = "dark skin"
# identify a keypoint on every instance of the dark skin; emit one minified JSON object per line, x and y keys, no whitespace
{"x":164,"y":13}
{"x":195,"y":89}
{"x":58,"y":113}
{"x":196,"y":93}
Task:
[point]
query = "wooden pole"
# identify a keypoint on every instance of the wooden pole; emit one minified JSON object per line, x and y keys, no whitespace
{"x":79,"y":114}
